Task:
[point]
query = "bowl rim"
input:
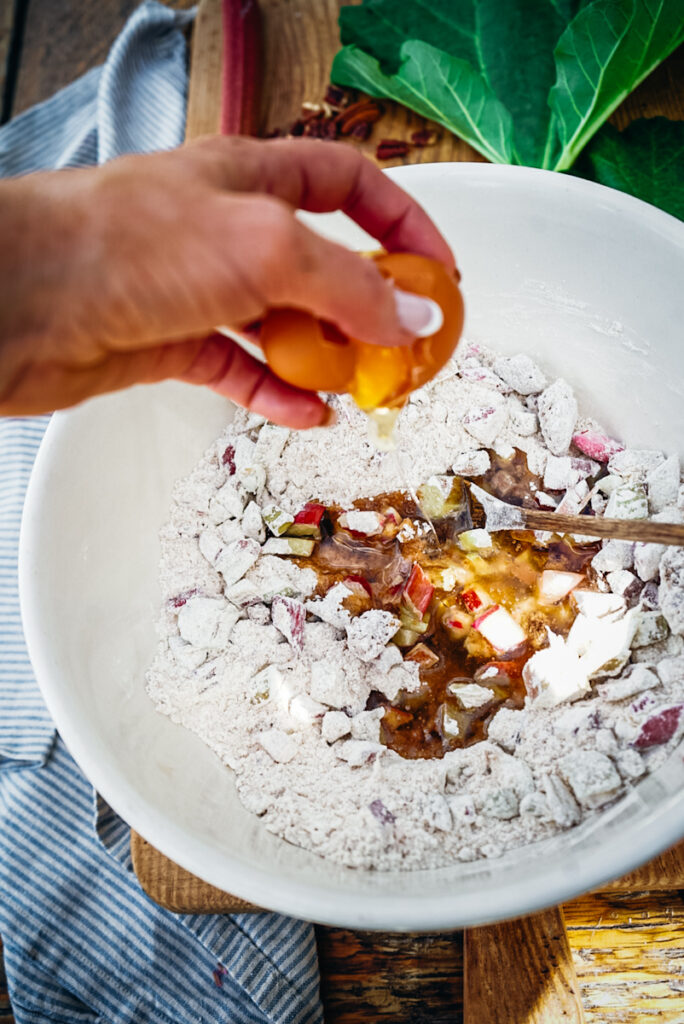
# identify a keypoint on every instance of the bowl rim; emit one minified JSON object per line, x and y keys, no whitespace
{"x":396,"y":912}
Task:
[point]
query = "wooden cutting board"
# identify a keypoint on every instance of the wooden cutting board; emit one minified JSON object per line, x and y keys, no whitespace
{"x":571,"y":964}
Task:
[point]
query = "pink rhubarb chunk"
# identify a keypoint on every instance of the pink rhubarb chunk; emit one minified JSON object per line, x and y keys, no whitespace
{"x":475,"y":598}
{"x":289,"y":616}
{"x":418,"y":591}
{"x":596,"y":445}
{"x":659,"y":728}
{"x":457,"y":622}
{"x":307,"y":522}
{"x":500,"y":628}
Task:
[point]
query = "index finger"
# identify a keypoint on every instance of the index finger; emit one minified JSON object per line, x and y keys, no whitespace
{"x":325,"y":176}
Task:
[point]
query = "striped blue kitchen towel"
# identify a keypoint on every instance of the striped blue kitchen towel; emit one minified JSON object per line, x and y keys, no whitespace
{"x":82,"y":941}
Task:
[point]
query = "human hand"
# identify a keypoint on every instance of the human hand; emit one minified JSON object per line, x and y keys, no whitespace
{"x":117,"y":275}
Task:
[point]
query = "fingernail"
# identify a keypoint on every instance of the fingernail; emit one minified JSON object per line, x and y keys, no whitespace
{"x":329,"y":417}
{"x":418,"y":315}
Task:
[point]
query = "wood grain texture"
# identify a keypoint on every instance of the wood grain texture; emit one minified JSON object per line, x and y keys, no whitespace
{"x":521,"y":971}
{"x":595,"y":526}
{"x":178,"y":890}
{"x":375,"y":976}
{"x":659,"y":95}
{"x":291,"y":29}
{"x":204,"y":91}
{"x":5,"y":1008}
{"x":628,"y":953}
{"x":7,"y":14}
{"x":64,"y":40}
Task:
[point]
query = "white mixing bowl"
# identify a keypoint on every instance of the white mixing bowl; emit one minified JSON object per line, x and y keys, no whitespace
{"x":588,"y":281}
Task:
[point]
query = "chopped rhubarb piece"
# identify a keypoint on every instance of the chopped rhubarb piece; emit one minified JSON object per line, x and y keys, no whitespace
{"x":596,"y":445}
{"x":555,"y":585}
{"x":288,"y":616}
{"x":480,"y":618}
{"x":379,"y":811}
{"x":360,"y":598}
{"x":296,"y":546}
{"x":307,"y":522}
{"x":475,"y":598}
{"x":228,"y":459}
{"x":457,"y":622}
{"x":356,"y":584}
{"x":434,"y":496}
{"x":418,"y":591}
{"x":366,"y":524}
{"x":408,"y":617}
{"x":422,"y":654}
{"x":394,"y":718}
{"x":277,"y":520}
{"x":405,"y":637}
{"x":500,"y":628}
{"x":659,"y":728}
{"x":392,"y":522}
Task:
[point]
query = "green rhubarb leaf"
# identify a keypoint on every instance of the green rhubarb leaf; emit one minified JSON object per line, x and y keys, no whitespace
{"x":380,"y":27}
{"x":515,"y":47}
{"x":606,"y":50}
{"x":509,"y":43}
{"x":437,"y":86}
{"x":646,"y":160}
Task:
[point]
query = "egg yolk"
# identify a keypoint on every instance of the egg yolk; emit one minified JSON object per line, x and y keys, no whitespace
{"x":313,"y":354}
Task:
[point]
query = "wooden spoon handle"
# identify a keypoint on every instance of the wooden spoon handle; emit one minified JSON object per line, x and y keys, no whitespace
{"x":595,"y":526}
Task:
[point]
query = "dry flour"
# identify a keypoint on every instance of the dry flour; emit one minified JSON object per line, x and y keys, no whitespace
{"x":276,"y":681}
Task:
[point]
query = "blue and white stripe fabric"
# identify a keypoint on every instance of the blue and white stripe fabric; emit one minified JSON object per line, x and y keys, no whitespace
{"x":82,"y":942}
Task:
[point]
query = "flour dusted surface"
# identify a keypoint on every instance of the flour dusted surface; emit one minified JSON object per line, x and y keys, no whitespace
{"x":276,"y":680}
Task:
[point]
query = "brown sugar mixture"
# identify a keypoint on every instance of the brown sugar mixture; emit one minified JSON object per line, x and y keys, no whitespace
{"x":473,"y":607}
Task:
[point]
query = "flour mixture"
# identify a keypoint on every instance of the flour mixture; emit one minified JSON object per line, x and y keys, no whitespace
{"x":393,"y":699}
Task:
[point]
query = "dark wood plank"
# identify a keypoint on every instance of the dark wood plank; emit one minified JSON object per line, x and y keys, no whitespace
{"x":5,"y":1008}
{"x":63,"y":40}
{"x":11,"y":21}
{"x":659,"y":95}
{"x":6,"y":22}
{"x":406,"y":979}
{"x":521,"y":971}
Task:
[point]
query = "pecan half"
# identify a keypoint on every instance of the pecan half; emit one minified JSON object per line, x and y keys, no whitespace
{"x":363,"y":112}
{"x":425,"y":137}
{"x":389,"y":149}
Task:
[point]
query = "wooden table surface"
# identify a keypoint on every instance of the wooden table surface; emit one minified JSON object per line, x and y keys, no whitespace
{"x":610,"y":956}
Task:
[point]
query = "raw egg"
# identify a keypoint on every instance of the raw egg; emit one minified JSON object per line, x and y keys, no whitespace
{"x":315,"y":355}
